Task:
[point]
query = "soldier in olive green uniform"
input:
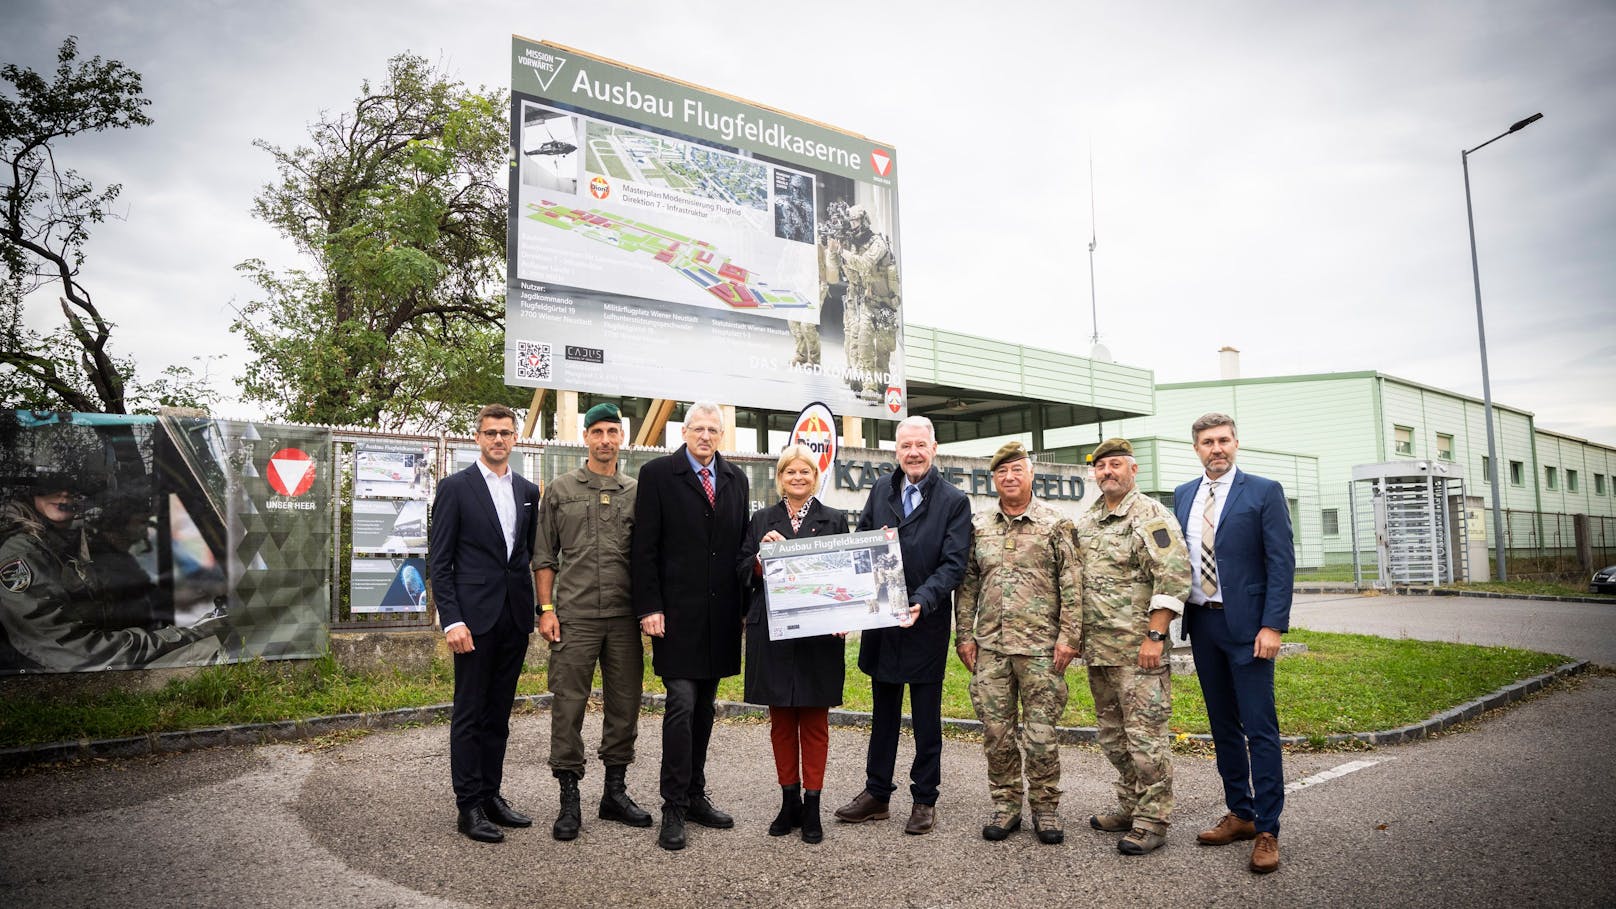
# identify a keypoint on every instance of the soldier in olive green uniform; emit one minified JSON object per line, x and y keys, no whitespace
{"x":580,"y":564}
{"x":56,"y":614}
{"x":1136,"y":577}
{"x":1017,"y":618}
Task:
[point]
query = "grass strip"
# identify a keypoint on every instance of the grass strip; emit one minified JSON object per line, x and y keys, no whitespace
{"x":1343,"y":683}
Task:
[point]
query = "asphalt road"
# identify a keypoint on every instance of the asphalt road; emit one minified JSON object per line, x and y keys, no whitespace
{"x":1512,"y":810}
{"x":1585,"y":631}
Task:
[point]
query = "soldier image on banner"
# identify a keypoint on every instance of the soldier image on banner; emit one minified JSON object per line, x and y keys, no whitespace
{"x":72,"y":595}
{"x":870,"y":303}
{"x":1136,"y":576}
{"x":1017,"y":622}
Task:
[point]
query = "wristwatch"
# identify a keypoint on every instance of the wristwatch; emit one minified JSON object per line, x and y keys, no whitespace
{"x":1155,"y":635}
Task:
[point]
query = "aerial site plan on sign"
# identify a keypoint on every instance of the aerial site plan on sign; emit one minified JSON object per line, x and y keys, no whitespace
{"x":650,"y":216}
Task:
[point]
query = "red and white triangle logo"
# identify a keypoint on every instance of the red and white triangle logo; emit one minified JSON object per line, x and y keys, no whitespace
{"x":881,"y":161}
{"x":291,"y":471}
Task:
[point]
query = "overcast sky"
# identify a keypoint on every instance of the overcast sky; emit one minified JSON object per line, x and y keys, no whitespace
{"x":1283,"y":178}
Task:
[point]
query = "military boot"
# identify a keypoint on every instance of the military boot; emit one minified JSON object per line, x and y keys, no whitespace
{"x":812,"y":832}
{"x":615,"y":804}
{"x":570,"y":819}
{"x":790,"y":816}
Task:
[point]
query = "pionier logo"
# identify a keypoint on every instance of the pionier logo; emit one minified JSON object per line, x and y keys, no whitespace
{"x":815,"y":430}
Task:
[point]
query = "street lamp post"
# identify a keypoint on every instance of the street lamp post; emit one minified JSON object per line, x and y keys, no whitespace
{"x":1481,"y":334}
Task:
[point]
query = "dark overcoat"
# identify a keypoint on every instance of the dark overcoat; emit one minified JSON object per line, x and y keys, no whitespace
{"x":796,"y":672}
{"x":682,"y":564}
{"x":935,"y":541}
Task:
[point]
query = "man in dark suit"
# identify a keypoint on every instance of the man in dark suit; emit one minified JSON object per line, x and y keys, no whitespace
{"x":483,"y":521}
{"x":689,"y":516}
{"x":1243,"y":567}
{"x":933,"y":519}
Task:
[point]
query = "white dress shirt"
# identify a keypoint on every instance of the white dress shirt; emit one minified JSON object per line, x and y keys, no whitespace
{"x":503,"y":491}
{"x":1192,"y":532}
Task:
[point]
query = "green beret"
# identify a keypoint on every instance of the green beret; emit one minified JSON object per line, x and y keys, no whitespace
{"x":1009,"y":451}
{"x":1111,"y":447}
{"x":599,"y":412}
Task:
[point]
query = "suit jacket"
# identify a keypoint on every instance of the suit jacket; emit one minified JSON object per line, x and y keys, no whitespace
{"x":1256,"y":558}
{"x":682,"y":564}
{"x":936,"y":542}
{"x":472,"y":578}
{"x":794,"y":672}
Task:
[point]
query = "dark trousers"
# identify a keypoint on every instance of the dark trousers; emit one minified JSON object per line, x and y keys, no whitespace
{"x":485,"y":688}
{"x":1239,"y":693}
{"x":614,"y":644}
{"x":687,"y":726}
{"x":926,"y":716}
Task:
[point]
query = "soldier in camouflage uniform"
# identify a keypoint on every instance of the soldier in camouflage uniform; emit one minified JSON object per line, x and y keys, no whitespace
{"x":870,"y":302}
{"x":1136,"y":576}
{"x":1017,"y":619}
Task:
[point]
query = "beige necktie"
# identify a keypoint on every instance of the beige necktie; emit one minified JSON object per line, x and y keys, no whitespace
{"x":1209,"y":532}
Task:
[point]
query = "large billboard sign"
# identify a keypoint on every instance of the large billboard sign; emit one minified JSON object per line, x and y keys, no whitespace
{"x":144,"y":542}
{"x":667,"y":241}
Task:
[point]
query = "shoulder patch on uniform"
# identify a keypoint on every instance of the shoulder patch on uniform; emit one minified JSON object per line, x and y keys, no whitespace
{"x":16,"y":576}
{"x":1157,"y":531}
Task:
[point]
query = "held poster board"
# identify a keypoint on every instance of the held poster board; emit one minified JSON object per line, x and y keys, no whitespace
{"x":649,"y":216}
{"x":843,"y":582}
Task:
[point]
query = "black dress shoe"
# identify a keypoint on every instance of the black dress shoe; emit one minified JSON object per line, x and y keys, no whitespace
{"x":475,"y":824}
{"x":701,"y":811}
{"x":500,"y":812}
{"x":672,"y":834}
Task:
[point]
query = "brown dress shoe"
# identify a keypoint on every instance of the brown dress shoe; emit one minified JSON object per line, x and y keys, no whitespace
{"x":1265,"y":854}
{"x":863,"y":807}
{"x":1229,"y":829}
{"x":921,"y":820}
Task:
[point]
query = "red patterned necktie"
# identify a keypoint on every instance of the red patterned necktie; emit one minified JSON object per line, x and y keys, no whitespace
{"x":707,"y":485}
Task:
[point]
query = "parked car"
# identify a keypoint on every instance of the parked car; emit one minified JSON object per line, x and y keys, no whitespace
{"x":1604,"y":580}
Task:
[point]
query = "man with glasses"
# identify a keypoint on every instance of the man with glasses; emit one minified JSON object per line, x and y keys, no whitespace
{"x":478,"y":554}
{"x":690,"y":512}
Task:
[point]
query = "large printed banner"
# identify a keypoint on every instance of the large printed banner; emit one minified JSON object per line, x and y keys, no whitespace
{"x":144,"y":542}
{"x":670,"y":242}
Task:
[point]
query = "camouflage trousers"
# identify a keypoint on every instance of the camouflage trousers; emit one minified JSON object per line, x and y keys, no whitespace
{"x":806,"y":335}
{"x":1003,"y":687}
{"x":877,"y":338}
{"x":1133,"y":706}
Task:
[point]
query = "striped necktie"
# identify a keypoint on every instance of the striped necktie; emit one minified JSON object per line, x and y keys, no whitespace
{"x":707,"y":485}
{"x":1209,"y":532}
{"x":911,"y":500}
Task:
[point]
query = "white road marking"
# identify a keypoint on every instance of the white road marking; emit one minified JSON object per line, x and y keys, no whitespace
{"x":1332,"y":773}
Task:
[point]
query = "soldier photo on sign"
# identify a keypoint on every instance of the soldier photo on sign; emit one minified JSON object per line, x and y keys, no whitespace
{"x":78,"y":579}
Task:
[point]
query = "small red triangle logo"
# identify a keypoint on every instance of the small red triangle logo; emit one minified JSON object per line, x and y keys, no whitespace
{"x":892,"y":534}
{"x":881,"y":161}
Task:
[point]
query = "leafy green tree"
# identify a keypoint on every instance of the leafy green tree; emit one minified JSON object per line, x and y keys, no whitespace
{"x":399,"y":204}
{"x":46,"y":214}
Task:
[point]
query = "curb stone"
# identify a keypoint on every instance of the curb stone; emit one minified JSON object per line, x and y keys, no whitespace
{"x":291,"y":730}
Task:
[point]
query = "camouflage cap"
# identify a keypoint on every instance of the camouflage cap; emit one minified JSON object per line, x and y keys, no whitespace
{"x":1111,"y":447}
{"x":606,"y":411}
{"x":1009,"y":451}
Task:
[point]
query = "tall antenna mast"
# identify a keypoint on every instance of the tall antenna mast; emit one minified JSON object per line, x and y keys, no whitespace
{"x":1094,"y":241}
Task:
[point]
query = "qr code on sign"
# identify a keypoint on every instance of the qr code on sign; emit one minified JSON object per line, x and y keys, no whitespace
{"x":532,"y":360}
